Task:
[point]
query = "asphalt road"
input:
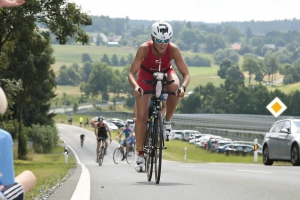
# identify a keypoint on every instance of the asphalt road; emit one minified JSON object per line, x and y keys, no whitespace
{"x":178,"y":180}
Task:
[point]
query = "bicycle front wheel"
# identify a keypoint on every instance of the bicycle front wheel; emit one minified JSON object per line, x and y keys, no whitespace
{"x":130,"y":156}
{"x":159,"y":140}
{"x":101,"y":156}
{"x":148,"y":149}
{"x":118,"y":155}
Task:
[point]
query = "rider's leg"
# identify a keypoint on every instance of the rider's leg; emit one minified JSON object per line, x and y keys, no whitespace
{"x":142,"y":103}
{"x":172,"y":100}
{"x":106,"y":145}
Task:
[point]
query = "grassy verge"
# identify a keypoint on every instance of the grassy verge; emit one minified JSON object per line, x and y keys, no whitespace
{"x":175,"y":152}
{"x":49,"y":169}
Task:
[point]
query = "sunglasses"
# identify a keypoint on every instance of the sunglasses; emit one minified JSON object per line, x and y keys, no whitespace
{"x":159,"y":41}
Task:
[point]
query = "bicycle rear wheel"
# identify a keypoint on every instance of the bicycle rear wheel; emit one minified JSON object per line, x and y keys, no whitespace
{"x":118,"y":155}
{"x":148,"y":150}
{"x":159,"y":140}
{"x":130,"y":156}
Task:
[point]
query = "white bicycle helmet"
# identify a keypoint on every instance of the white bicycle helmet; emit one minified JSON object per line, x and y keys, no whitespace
{"x":161,"y":30}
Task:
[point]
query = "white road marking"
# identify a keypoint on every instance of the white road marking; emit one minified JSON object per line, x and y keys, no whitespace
{"x":82,"y":191}
{"x":263,"y":172}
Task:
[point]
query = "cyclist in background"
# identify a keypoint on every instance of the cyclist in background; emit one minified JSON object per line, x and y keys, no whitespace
{"x":128,"y":138}
{"x":101,"y":130}
{"x":159,"y":51}
{"x":82,"y":136}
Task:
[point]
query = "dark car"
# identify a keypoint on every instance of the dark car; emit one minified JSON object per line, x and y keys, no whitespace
{"x":222,"y":149}
{"x":282,"y":142}
{"x":219,"y":144}
{"x":239,"y":149}
{"x":119,"y":124}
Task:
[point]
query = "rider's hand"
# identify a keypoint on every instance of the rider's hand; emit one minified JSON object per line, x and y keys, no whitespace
{"x":138,"y":91}
{"x":181,"y":94}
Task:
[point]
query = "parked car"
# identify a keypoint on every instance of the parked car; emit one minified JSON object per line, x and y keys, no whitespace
{"x":222,"y":149}
{"x":94,"y":120}
{"x":197,"y":136}
{"x":282,"y":142}
{"x":251,"y":144}
{"x":177,"y":135}
{"x":220,"y":143}
{"x":189,"y":133}
{"x":239,"y":149}
{"x":111,"y":126}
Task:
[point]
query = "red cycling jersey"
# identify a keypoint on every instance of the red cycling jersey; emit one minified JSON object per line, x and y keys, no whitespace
{"x":150,"y":65}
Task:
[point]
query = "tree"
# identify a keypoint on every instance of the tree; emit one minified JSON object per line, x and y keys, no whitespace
{"x":248,"y":32}
{"x":272,"y":66}
{"x":65,"y":20}
{"x":31,"y":63}
{"x":114,"y":60}
{"x":225,"y":64}
{"x":122,"y":61}
{"x":235,"y":73}
{"x":251,"y":66}
{"x":100,"y":78}
{"x":99,"y":40}
{"x":86,"y":58}
{"x":190,"y":104}
{"x":105,"y":59}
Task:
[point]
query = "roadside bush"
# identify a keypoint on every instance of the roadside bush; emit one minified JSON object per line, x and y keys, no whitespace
{"x":44,"y":138}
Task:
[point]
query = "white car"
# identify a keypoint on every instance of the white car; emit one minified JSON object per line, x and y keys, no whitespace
{"x":111,"y":126}
{"x":197,"y":136}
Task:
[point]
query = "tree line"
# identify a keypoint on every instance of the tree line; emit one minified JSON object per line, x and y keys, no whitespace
{"x":233,"y":97}
{"x":26,"y":75}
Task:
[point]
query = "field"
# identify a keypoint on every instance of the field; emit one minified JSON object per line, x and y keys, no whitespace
{"x":69,"y":54}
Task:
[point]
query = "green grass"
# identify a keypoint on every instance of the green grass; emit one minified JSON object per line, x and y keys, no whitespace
{"x":175,"y":152}
{"x":73,"y":53}
{"x":48,"y":169}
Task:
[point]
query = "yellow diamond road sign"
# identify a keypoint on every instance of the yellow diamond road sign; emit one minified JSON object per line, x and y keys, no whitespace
{"x":276,"y":107}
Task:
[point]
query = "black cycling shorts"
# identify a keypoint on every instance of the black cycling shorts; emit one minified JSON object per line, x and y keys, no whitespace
{"x":13,"y":191}
{"x":102,"y":137}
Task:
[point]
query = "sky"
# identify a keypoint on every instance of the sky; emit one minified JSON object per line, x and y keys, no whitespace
{"x":208,"y":11}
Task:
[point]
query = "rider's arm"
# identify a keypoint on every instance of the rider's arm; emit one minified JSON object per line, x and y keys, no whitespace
{"x":181,"y":65}
{"x":120,"y":134}
{"x":107,"y":128}
{"x":129,"y":136}
{"x":95,"y":128}
{"x":135,"y":66}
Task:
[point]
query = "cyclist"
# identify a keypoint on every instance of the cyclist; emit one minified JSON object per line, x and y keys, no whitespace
{"x":150,"y":55}
{"x":128,"y":138}
{"x":82,"y":136}
{"x":101,"y":130}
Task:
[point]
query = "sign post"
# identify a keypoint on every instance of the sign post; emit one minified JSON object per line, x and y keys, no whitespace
{"x":184,"y":157}
{"x":255,"y":150}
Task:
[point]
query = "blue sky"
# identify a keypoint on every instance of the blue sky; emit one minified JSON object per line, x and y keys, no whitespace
{"x":215,"y":11}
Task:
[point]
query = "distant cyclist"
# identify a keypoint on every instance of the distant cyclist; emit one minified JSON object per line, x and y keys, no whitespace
{"x":82,"y":136}
{"x":128,"y":138}
{"x":101,"y":130}
{"x":158,"y":52}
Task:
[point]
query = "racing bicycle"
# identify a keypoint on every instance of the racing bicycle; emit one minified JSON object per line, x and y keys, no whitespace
{"x":154,"y":143}
{"x":118,"y":154}
{"x":102,"y":150}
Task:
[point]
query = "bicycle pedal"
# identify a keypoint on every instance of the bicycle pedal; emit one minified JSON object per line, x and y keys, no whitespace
{"x":164,"y":147}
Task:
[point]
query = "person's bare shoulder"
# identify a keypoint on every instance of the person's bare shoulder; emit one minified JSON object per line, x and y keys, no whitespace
{"x":174,"y":50}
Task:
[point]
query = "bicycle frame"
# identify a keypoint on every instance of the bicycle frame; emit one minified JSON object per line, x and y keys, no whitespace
{"x":154,"y":143}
